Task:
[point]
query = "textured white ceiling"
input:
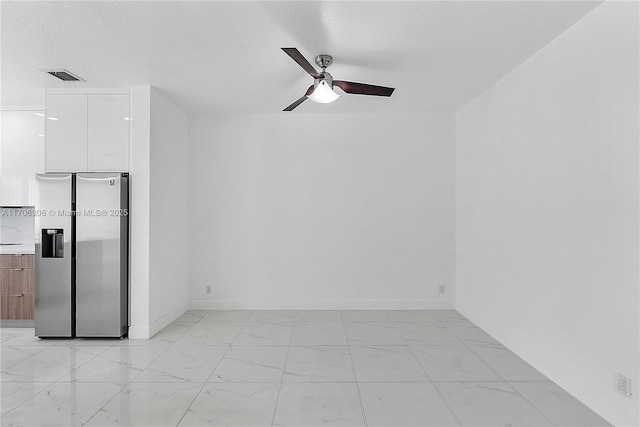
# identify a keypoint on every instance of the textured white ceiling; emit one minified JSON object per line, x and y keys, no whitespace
{"x":226,"y":57}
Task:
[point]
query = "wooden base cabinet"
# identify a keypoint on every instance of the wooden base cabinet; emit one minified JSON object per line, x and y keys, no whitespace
{"x":17,"y":307}
{"x":17,"y":287}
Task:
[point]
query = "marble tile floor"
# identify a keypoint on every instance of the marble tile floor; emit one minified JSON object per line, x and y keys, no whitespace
{"x":283,"y":368}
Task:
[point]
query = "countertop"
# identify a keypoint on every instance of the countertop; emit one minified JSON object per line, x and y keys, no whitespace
{"x":25,"y":248}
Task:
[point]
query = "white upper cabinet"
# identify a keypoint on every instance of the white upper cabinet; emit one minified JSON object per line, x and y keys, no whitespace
{"x":66,"y":127}
{"x":108,"y":135}
{"x":87,"y":132}
{"x":21,"y":146}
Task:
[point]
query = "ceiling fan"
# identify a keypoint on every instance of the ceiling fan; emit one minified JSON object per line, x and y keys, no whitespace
{"x":322,"y":89}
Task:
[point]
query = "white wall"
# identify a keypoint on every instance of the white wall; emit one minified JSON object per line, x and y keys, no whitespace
{"x":168,"y":239}
{"x":313,"y":211}
{"x":159,"y":195}
{"x":139,"y":165}
{"x":547,"y":210}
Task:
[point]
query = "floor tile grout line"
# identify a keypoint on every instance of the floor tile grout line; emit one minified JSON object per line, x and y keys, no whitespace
{"x":149,"y":364}
{"x":58,"y":345}
{"x":27,"y":358}
{"x":531,"y":403}
{"x":504,"y":380}
{"x":594,"y":413}
{"x":26,"y":400}
{"x":59,"y":379}
{"x":131,"y":381}
{"x":52,"y":383}
{"x":102,"y":407}
{"x":442,"y":398}
{"x":469,"y":345}
{"x":171,"y":344}
{"x":355,"y":375}
{"x":213,"y":370}
{"x":76,"y":368}
{"x":284,"y":367}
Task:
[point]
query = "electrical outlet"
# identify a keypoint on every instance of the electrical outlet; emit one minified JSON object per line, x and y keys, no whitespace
{"x":623,"y":385}
{"x":207,"y":290}
{"x":442,"y":289}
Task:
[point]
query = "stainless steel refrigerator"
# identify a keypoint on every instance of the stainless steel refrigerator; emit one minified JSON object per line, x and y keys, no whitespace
{"x":81,"y":254}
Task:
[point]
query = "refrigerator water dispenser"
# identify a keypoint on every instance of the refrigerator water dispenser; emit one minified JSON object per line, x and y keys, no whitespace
{"x":53,"y":243}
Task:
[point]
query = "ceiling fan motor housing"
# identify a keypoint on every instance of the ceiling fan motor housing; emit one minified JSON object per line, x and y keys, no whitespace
{"x":323,"y":61}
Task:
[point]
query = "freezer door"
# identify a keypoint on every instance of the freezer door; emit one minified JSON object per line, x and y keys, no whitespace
{"x":101,"y":255}
{"x":53,"y":257}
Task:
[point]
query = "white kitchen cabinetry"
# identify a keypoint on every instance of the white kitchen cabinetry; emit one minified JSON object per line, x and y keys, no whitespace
{"x":21,"y":147}
{"x":66,"y":149}
{"x":87,"y":132}
{"x":108,"y":135}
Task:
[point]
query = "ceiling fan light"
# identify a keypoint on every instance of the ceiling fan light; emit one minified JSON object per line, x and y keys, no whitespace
{"x":323,"y":93}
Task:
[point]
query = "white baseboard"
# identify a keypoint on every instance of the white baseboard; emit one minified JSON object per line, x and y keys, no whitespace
{"x":137,"y":333}
{"x":146,"y":332}
{"x":321,"y":305}
{"x":17,"y":324}
{"x":164,"y":320}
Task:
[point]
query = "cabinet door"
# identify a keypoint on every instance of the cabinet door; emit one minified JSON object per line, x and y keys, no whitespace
{"x":6,"y":261}
{"x":15,"y":281}
{"x":66,"y":130}
{"x":17,"y":307}
{"x":23,"y":261}
{"x":19,"y":151}
{"x":108,"y":146}
{"x":17,"y":261}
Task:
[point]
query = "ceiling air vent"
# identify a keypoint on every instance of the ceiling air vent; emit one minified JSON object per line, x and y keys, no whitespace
{"x":64,"y":75}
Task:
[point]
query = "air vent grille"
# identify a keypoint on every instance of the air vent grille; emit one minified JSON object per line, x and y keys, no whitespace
{"x":623,"y":385}
{"x":65,"y":75}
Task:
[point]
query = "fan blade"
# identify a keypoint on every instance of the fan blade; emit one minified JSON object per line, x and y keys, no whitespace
{"x":300,"y":100}
{"x":297,"y":56}
{"x":296,"y":103}
{"x":363,"y":89}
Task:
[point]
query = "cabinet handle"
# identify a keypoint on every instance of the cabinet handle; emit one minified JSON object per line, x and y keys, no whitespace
{"x":20,"y":295}
{"x":18,"y":269}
